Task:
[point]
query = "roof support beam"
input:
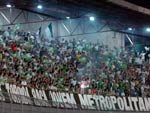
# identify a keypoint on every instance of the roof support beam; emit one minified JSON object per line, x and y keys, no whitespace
{"x":4,"y":16}
{"x":66,"y":28}
{"x":17,"y":16}
{"x":131,"y":6}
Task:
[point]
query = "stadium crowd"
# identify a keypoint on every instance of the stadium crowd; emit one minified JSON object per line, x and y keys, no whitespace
{"x":75,"y":66}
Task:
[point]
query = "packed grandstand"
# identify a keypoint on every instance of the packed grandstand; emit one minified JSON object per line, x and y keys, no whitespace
{"x":73,"y":65}
{"x":62,"y":56}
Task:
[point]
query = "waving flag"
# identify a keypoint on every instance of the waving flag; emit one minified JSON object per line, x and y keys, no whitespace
{"x":39,"y":32}
{"x":49,"y":32}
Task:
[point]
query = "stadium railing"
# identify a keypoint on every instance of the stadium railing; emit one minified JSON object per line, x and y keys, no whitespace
{"x":8,"y":106}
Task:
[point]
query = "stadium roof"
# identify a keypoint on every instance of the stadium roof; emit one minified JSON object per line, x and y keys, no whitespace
{"x":117,"y":16}
{"x":143,"y":3}
{"x":74,"y":8}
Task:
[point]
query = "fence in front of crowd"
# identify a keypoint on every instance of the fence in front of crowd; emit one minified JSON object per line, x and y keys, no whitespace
{"x":11,"y":107}
{"x":12,"y":96}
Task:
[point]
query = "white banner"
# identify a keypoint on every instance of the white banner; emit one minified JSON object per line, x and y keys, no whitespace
{"x":47,"y":98}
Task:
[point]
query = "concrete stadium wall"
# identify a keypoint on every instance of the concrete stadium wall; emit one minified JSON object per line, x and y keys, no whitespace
{"x":95,"y":32}
{"x":27,"y":21}
{"x":81,"y":28}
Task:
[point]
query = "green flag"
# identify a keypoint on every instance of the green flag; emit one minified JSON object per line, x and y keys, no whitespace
{"x":16,"y":27}
{"x":50,"y":29}
{"x":48,"y":32}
